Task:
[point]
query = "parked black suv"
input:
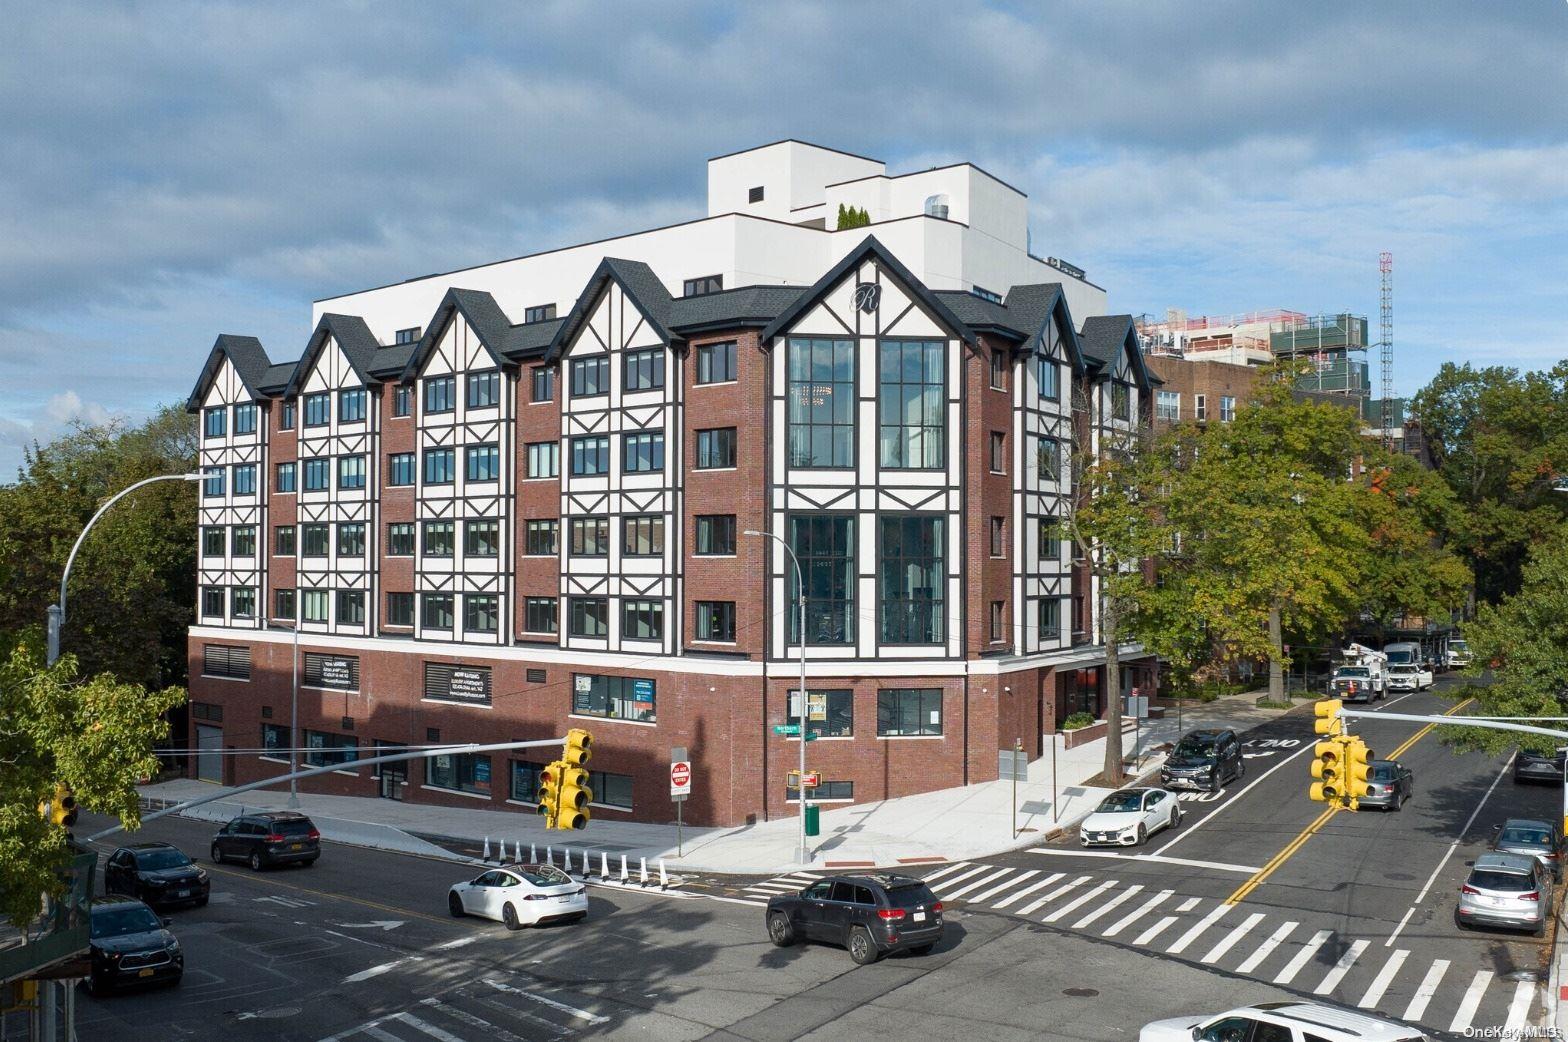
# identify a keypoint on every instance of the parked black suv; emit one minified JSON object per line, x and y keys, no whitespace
{"x":871,"y":915}
{"x":1204,"y":759}
{"x":271,"y":838}
{"x":130,"y":945}
{"x":158,"y":873}
{"x":1547,"y":767}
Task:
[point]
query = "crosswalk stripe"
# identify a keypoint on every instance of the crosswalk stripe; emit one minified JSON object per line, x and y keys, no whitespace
{"x":1230,"y":940}
{"x":803,"y":876}
{"x":1015,"y":881}
{"x":1201,"y":925}
{"x":1154,"y":931}
{"x":1266,"y":949}
{"x":1334,"y":976}
{"x":1384,"y":978}
{"x":1079,"y":901}
{"x":1519,"y":1010}
{"x":1418,"y":1002}
{"x":774,"y":888}
{"x":1467,"y":1005}
{"x":492,"y":1031}
{"x":1108,"y":906}
{"x":439,"y":1034}
{"x":1053,"y":895}
{"x":376,"y":1033}
{"x":977,"y":884}
{"x":1026,"y":891}
{"x":1142,"y":910}
{"x":957,"y":866}
{"x":1307,"y":951}
{"x":1189,"y":904}
{"x":960,"y":878}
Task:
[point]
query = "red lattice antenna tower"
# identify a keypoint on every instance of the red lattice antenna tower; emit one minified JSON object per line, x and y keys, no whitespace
{"x":1385,"y":264}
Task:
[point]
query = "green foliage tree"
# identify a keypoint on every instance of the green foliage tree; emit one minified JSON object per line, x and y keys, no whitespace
{"x":852,"y":217}
{"x":1409,"y":572}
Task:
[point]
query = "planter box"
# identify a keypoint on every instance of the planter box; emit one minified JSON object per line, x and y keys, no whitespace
{"x":1084,"y":735}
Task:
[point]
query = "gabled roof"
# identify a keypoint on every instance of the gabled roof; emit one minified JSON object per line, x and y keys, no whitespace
{"x":277,"y":378}
{"x":1038,"y":303}
{"x":483,"y":315}
{"x":745,"y":306}
{"x":641,"y":286}
{"x":250,"y":362}
{"x":390,"y":360}
{"x":1104,"y":336}
{"x":354,"y":340}
{"x":869,"y":248}
{"x":531,"y":339}
{"x":980,"y":314}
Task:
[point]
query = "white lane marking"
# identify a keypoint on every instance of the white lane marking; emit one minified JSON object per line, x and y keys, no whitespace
{"x":976,"y":884}
{"x":1053,"y":895}
{"x":374,"y":924}
{"x":804,"y":876}
{"x":1026,"y":891}
{"x":959,"y":879}
{"x":1519,"y":1010}
{"x":376,"y":1033}
{"x":1195,"y":826}
{"x":490,"y":1002}
{"x":1384,"y":978}
{"x":447,"y":946}
{"x":1218,"y":866}
{"x":1447,"y":854}
{"x":1144,"y":909}
{"x":1189,"y":904}
{"x":1079,"y":901}
{"x":376,"y":971}
{"x":1342,"y":967}
{"x":1266,"y":949}
{"x":580,"y":1014}
{"x":1154,"y":931}
{"x":1231,"y":939}
{"x":493,"y":1032}
{"x":949,"y":870}
{"x":1418,"y":1002}
{"x":1300,"y":959}
{"x":1467,"y":1005}
{"x":439,"y":1034}
{"x":1108,"y":906}
{"x":1015,"y":881}
{"x":1197,"y":928}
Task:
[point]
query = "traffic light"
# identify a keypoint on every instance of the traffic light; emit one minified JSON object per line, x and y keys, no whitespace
{"x":1358,"y":770}
{"x":570,"y":794}
{"x":577,"y":748}
{"x":1328,"y":720}
{"x":60,"y":809}
{"x":1328,"y":767}
{"x":574,"y":799}
{"x":550,"y":792}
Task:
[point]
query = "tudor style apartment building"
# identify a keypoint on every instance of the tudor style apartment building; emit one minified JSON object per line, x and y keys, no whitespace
{"x":508,"y":500}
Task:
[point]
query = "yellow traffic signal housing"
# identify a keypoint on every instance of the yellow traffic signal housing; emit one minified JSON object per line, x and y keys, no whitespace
{"x":575,"y":796}
{"x":550,"y":792}
{"x":1328,"y":720}
{"x":577,"y":748}
{"x":1358,"y":770}
{"x":60,"y":809}
{"x":1328,"y":766}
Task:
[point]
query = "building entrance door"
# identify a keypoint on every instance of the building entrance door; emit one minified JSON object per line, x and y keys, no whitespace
{"x":209,"y":758}
{"x":392,"y":776}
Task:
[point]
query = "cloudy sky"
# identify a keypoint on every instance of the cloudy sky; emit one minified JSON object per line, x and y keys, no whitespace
{"x":177,"y":170}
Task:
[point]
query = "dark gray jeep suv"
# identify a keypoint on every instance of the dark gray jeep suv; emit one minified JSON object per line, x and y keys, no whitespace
{"x":872,"y":915}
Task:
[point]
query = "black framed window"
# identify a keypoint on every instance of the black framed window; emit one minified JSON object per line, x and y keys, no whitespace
{"x":715,"y":535}
{"x":829,"y":714}
{"x":214,"y":541}
{"x":275,"y":737}
{"x":402,"y":400}
{"x":440,"y":538}
{"x":400,"y":468}
{"x":318,"y":474}
{"x":702,"y":286}
{"x":642,"y":619}
{"x":400,"y":609}
{"x":283,"y":604}
{"x":644,"y":370}
{"x":245,"y":419}
{"x":1050,"y":539}
{"x":400,"y":539}
{"x":245,"y":541}
{"x":716,"y":362}
{"x":539,"y":313}
{"x":484,"y":389}
{"x":1121,"y":402}
{"x":482,"y":462}
{"x":313,"y":605}
{"x":285,"y":477}
{"x":242,"y":602}
{"x":617,"y":698}
{"x":1050,"y":621}
{"x":436,"y":611}
{"x":351,"y":539}
{"x":539,"y":615}
{"x":912,"y":580}
{"x":323,"y":749}
{"x":481,"y":612}
{"x":1048,"y":459}
{"x":525,"y":781}
{"x":407,"y":336}
{"x":543,"y":384}
{"x":825,"y":790}
{"x":212,"y":482}
{"x":315,"y":540}
{"x":590,"y":455}
{"x":716,"y":448}
{"x":318,"y":409}
{"x":351,"y":472}
{"x":998,"y":620}
{"x":351,"y":607}
{"x":611,"y":790}
{"x":542,"y":538}
{"x":590,"y":537}
{"x":642,"y":535}
{"x":351,"y":405}
{"x":286,"y":416}
{"x":440,"y":393}
{"x":245,"y":479}
{"x":590,"y":376}
{"x":212,"y":601}
{"x":481,"y":538}
{"x":906,"y":712}
{"x":1048,"y":376}
{"x":642,"y":452}
{"x":464,"y":772}
{"x":283,"y":540}
{"x":440,"y":466}
{"x":821,"y":402}
{"x":824,"y":544}
{"x":544,"y":459}
{"x":215,"y":422}
{"x":589,"y":616}
{"x":716,"y":620}
{"x":911,"y":403}
{"x":998,"y":370}
{"x":998,"y":536}
{"x":998,"y":452}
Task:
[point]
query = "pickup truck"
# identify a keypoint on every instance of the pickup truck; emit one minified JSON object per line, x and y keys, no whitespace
{"x":1356,"y":684}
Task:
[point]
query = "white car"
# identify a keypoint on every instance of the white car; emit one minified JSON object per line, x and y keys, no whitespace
{"x":520,"y":895}
{"x":1407,"y":676}
{"x":1281,"y":1022}
{"x":1127,"y":817}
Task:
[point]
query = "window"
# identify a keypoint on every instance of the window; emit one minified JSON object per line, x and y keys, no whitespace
{"x":702,"y":286}
{"x":245,"y":419}
{"x":439,"y":538}
{"x":214,"y":541}
{"x":1167,"y":405}
{"x":1121,"y":402}
{"x":400,"y":539}
{"x":400,"y":609}
{"x":223,"y":660}
{"x":611,"y":790}
{"x":313,"y":605}
{"x":716,"y":448}
{"x":825,"y":546}
{"x":481,"y":612}
{"x":590,"y":537}
{"x":642,"y":619}
{"x":482,"y":462}
{"x":998,"y":452}
{"x":245,"y":480}
{"x":544,"y":459}
{"x":829,"y":714}
{"x":351,"y":607}
{"x":440,"y":466}
{"x":911,"y":408}
{"x":245,"y":541}
{"x":314,"y":540}
{"x":539,"y":615}
{"x":754,"y":195}
{"x":436,"y":610}
{"x":619,"y":698}
{"x":212,"y":601}
{"x":402,"y":400}
{"x":1050,"y":539}
{"x":985,"y":294}
{"x":998,"y":370}
{"x":351,"y":472}
{"x":323,"y":749}
{"x":481,"y":538}
{"x":821,"y":396}
{"x":715,"y":535}
{"x":544,"y":383}
{"x":318,"y":474}
{"x":212,"y":482}
{"x":1227,"y":408}
{"x":286,"y":416}
{"x":242,"y":602}
{"x":716,"y":362}
{"x":465,"y":772}
{"x":400,"y":468}
{"x":275,"y":737}
{"x":283,"y":604}
{"x":539,"y":313}
{"x":1200,"y":409}
{"x":911,"y":580}
{"x":484,"y":389}
{"x":716,"y":620}
{"x":351,"y":406}
{"x":591,"y":455}
{"x":590,"y":616}
{"x":440,"y":393}
{"x":542,"y":539}
{"x":998,"y":536}
{"x":318,"y":409}
{"x":216,"y":422}
{"x":642,"y":535}
{"x":905,"y":712}
{"x":1048,"y":376}
{"x":644,"y":370}
{"x":285,"y":477}
{"x":1048,"y":459}
{"x":407,"y":336}
{"x":825,"y":790}
{"x":351,"y":539}
{"x":590,"y":376}
{"x":525,"y":781}
{"x":643,"y":452}
{"x":1050,"y":609}
{"x":998,"y":621}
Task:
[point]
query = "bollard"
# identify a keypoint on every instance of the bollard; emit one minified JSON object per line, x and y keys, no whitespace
{"x":533,"y":854}
{"x":624,"y":877}
{"x":664,"y":880}
{"x":486,"y":855}
{"x":644,"y":871}
{"x":517,"y":848}
{"x":549,"y":855}
{"x":604,"y":865}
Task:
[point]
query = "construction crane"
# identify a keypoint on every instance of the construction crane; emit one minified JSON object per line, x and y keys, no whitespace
{"x":1385,"y":263}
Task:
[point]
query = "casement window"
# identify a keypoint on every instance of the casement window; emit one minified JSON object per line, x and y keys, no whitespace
{"x":829,"y":714}
{"x":1048,"y":376}
{"x":1200,"y":408}
{"x":212,"y":600}
{"x":318,"y":474}
{"x":716,"y":362}
{"x":911,"y":579}
{"x":212,"y":482}
{"x":351,"y":607}
{"x":440,"y":394}
{"x":544,"y":459}
{"x":463,"y":772}
{"x":590,"y":455}
{"x":1227,"y":408}
{"x":1048,"y":459}
{"x":318,"y":409}
{"x":538,"y":313}
{"x":402,"y":400}
{"x":1121,"y":401}
{"x":286,"y":416}
{"x":482,"y":462}
{"x":716,"y":448}
{"x":998,"y":452}
{"x":245,"y":479}
{"x":908,"y":712}
{"x":821,"y":403}
{"x":285,"y":475}
{"x":283,"y":604}
{"x":702,"y":286}
{"x":242,"y":602}
{"x":215,"y":422}
{"x":998,"y":536}
{"x":351,"y":406}
{"x":313,"y":605}
{"x":245,"y":541}
{"x":1167,"y":406}
{"x":543,"y":384}
{"x":484,"y":389}
{"x":642,"y":619}
{"x":642,"y":535}
{"x":440,"y":466}
{"x":481,"y":538}
{"x":400,"y":609}
{"x":644,"y":370}
{"x":716,"y":621}
{"x":481,"y":612}
{"x":616,"y":698}
{"x":590,"y":376}
{"x":825,"y":546}
{"x":542,"y":538}
{"x":642,"y":452}
{"x":407,"y":336}
{"x":998,"y":370}
{"x":400,"y":469}
{"x":1050,"y":624}
{"x":1050,"y":539}
{"x":314,"y":540}
{"x":590,"y":537}
{"x":715,"y":535}
{"x":436,"y":611}
{"x":351,"y":539}
{"x":590,"y":616}
{"x":911,"y":404}
{"x":214,"y":541}
{"x":400,"y":539}
{"x":222,"y":660}
{"x":351,"y":472}
{"x":539,"y":615}
{"x":611,"y":790}
{"x":245,"y":419}
{"x":998,"y":621}
{"x":439,"y":538}
{"x":525,"y":781}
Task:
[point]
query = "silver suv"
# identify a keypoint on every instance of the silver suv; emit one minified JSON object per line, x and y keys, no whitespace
{"x":1508,"y":890}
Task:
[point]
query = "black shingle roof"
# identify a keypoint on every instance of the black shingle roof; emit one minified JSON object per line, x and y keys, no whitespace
{"x":1103,"y":337}
{"x":354,"y":339}
{"x":744,"y":306}
{"x":483,"y":315}
{"x":390,"y":360}
{"x":277,"y":377}
{"x":532,"y":339}
{"x":980,"y":313}
{"x":248,"y":357}
{"x":641,"y":286}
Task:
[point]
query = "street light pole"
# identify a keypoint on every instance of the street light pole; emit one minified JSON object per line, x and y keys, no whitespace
{"x":800,"y":586}
{"x":294,"y":716}
{"x":57,"y":611}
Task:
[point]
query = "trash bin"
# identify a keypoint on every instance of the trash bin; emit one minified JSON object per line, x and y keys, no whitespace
{"x":813,"y":820}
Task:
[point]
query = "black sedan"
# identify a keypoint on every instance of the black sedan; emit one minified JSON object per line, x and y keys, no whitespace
{"x":158,"y":873}
{"x":1538,"y":767}
{"x":130,"y":945}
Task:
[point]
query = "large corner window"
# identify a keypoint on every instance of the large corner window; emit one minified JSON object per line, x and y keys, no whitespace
{"x":821,"y":396}
{"x":910,"y":407}
{"x":617,"y":698}
{"x":911,"y":580}
{"x":825,"y":546}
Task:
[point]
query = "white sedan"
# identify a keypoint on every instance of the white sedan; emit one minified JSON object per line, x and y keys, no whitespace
{"x":1127,"y":817}
{"x":520,"y":895}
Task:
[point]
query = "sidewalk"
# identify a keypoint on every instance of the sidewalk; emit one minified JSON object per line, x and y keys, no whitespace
{"x":965,"y":823}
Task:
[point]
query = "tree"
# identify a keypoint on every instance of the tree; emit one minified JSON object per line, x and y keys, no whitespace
{"x":1409,"y":572}
{"x":851,"y":217}
{"x":95,"y":736}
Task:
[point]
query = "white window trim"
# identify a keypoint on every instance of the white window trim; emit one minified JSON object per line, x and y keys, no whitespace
{"x":910,"y":737}
{"x":273,"y":759}
{"x":237,"y":680}
{"x":613,"y":720}
{"x":796,"y":799}
{"x":609,"y":806}
{"x":460,"y":792}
